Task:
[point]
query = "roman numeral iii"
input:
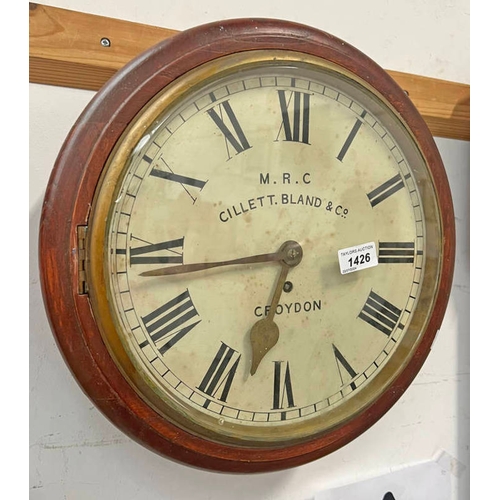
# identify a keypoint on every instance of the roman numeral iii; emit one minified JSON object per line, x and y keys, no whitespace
{"x":220,"y":374}
{"x":171,"y":322}
{"x":396,"y":252}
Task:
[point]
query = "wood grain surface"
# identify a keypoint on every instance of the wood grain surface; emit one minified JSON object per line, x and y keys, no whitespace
{"x":71,"y":49}
{"x":69,"y":199}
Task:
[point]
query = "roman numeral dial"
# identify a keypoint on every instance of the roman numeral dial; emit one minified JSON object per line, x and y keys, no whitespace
{"x":223,"y":178}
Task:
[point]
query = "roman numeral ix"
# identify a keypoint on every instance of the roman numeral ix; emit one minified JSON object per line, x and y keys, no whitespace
{"x":166,"y":252}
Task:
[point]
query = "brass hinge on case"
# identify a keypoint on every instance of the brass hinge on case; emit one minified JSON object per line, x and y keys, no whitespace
{"x":82,"y":253}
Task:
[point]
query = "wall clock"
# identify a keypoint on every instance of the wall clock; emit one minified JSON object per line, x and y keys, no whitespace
{"x":247,"y":246}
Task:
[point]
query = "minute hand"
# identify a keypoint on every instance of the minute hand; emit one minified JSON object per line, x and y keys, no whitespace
{"x":190,"y":268}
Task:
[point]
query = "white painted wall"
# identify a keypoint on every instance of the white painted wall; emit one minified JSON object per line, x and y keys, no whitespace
{"x":76,"y":453}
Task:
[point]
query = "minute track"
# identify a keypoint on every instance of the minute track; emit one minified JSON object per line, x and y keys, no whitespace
{"x":230,"y":109}
{"x":153,"y":115}
{"x":188,"y":357}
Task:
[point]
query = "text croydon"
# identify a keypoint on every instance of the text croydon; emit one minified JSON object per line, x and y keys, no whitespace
{"x":290,"y":308}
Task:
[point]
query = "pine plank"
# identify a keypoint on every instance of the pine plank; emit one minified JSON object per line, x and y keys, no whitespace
{"x":65,"y":49}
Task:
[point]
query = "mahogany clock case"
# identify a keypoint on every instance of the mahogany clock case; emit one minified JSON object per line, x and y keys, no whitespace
{"x":68,"y":206}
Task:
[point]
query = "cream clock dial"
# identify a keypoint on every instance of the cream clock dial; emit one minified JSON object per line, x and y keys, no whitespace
{"x":221,"y":248}
{"x":247,"y":246}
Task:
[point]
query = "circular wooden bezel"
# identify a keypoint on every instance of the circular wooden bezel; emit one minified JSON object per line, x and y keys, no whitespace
{"x":68,"y":202}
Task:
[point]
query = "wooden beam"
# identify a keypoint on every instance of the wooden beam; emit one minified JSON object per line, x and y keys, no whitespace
{"x":69,"y":48}
{"x":444,"y":105}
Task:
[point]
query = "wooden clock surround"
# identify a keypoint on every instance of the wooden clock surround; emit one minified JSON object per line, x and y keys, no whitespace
{"x":68,"y":203}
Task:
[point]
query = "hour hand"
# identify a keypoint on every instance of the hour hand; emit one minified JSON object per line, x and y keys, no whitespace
{"x":265,"y":333}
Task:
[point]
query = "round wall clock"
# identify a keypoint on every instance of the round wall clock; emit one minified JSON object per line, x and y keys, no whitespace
{"x":247,"y":246}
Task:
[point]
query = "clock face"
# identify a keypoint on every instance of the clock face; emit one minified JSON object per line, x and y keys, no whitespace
{"x":295,"y":169}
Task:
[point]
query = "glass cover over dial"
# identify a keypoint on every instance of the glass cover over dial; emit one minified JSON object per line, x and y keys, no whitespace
{"x":271,"y":247}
